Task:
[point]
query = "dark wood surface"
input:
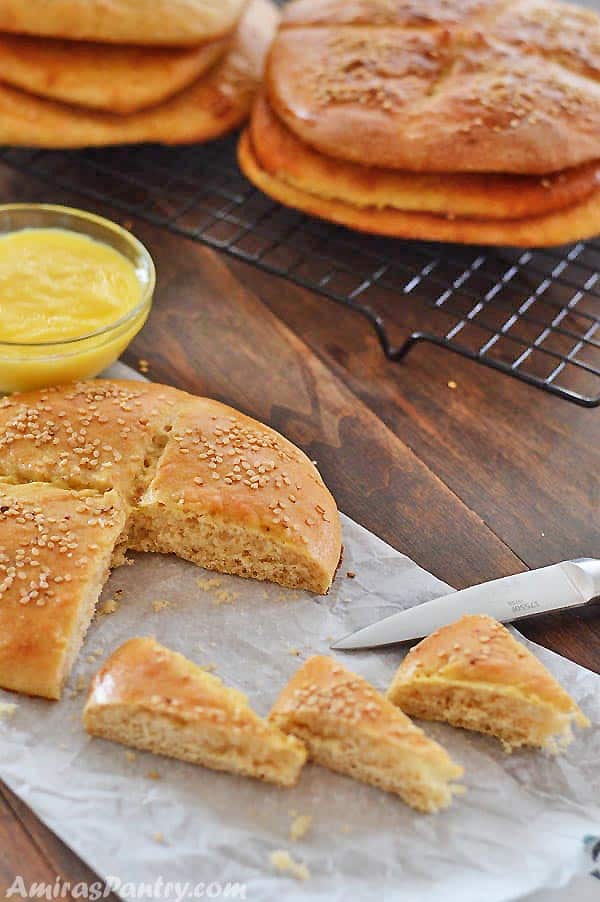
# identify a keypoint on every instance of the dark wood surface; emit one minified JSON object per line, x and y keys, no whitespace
{"x":476,"y":482}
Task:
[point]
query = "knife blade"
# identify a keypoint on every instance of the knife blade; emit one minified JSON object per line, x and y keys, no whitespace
{"x":567,"y":584}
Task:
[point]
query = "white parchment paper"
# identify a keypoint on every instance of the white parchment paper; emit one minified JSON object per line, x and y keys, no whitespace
{"x":519,"y":828}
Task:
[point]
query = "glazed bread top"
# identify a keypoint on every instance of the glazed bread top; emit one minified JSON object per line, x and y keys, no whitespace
{"x":478,"y":650}
{"x":442,"y":85}
{"x":159,"y":22}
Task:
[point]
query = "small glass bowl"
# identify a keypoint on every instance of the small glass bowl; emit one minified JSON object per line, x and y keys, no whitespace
{"x":25,"y":366}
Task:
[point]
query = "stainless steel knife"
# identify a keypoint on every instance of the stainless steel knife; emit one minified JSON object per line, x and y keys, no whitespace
{"x":569,"y":584}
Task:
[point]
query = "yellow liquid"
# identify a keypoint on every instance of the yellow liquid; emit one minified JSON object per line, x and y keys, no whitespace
{"x":56,"y":286}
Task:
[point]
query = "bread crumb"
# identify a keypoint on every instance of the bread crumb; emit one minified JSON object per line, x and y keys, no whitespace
{"x":300,"y":826}
{"x":351,"y":574}
{"x":110,"y":606}
{"x":161,"y":605}
{"x":294,"y":651}
{"x":209,"y":668}
{"x":212,"y":582}
{"x":7,"y":709}
{"x":159,"y":837}
{"x":452,"y":384}
{"x":283,"y":862}
{"x":153,"y":775}
{"x":143,"y":366}
{"x":131,"y":756}
{"x":223,"y":596}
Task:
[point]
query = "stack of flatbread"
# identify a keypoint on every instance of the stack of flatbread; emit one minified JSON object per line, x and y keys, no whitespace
{"x":475,"y":121}
{"x":79,"y":73}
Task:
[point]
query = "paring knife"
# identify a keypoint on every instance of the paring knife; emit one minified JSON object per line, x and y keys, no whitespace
{"x":569,"y":584}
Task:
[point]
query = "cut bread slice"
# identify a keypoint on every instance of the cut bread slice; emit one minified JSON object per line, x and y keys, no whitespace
{"x":232,"y":495}
{"x":56,"y":551}
{"x":474,"y":674}
{"x":152,"y":698}
{"x":349,"y":727}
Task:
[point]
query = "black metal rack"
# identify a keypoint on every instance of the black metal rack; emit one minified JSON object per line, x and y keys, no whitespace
{"x":533,"y":314}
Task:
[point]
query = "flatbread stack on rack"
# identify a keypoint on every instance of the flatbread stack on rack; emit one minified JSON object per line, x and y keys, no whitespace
{"x":78,"y":73}
{"x":473,"y":121}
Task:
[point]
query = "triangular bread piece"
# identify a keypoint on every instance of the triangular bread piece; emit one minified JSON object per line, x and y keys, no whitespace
{"x":474,"y":674}
{"x":57,"y":546}
{"x":350,"y":727}
{"x":152,"y":698}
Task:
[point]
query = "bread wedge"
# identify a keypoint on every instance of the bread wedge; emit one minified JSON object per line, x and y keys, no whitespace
{"x":151,"y":698}
{"x":474,"y":674}
{"x":349,"y":727}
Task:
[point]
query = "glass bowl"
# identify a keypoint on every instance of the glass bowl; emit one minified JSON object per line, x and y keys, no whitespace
{"x":25,"y":366}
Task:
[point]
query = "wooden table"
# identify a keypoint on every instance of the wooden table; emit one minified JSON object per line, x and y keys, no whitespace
{"x":473,"y":482}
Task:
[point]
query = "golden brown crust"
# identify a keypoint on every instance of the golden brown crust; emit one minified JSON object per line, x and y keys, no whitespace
{"x":478,"y":650}
{"x":224,"y":465}
{"x":445,"y":94}
{"x":56,"y":547}
{"x":159,"y":22}
{"x":573,"y":223}
{"x":487,"y":196}
{"x":213,"y":105}
{"x":98,"y":434}
{"x":114,"y":78}
{"x":144,"y":678}
{"x":348,"y":726}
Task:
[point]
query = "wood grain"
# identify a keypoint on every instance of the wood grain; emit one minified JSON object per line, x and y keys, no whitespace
{"x":465,"y":481}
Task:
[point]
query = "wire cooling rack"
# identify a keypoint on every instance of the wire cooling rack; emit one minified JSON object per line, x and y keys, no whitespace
{"x":533,"y":314}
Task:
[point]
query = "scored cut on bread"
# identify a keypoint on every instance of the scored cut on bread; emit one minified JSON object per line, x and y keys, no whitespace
{"x":160,"y":22}
{"x":149,"y":697}
{"x":56,"y":548}
{"x":437,"y":86}
{"x":475,"y":674}
{"x":349,"y":727}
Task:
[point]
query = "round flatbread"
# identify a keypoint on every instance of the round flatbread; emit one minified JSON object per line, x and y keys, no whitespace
{"x":571,"y":224}
{"x":155,"y":22}
{"x":287,"y":158}
{"x":212,"y":106}
{"x":111,"y":77}
{"x":455,"y":86}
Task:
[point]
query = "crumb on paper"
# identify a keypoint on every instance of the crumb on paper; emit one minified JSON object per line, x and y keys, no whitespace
{"x":153,"y":775}
{"x":131,"y":756}
{"x":93,"y":656}
{"x":118,"y":593}
{"x":452,"y":384}
{"x":351,"y":574}
{"x":128,"y":561}
{"x":161,"y":604}
{"x":283,"y":862}
{"x":209,"y":668}
{"x":209,"y":582}
{"x":110,"y":606}
{"x":143,"y":365}
{"x":225,"y":596}
{"x":7,"y":709}
{"x":294,"y":651}
{"x":159,"y":838}
{"x":300,"y":826}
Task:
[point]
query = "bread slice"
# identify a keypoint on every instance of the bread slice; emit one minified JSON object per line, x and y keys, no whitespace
{"x":151,"y":698}
{"x":349,"y":727}
{"x":56,"y":551}
{"x":474,"y":674}
{"x":232,"y":495}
